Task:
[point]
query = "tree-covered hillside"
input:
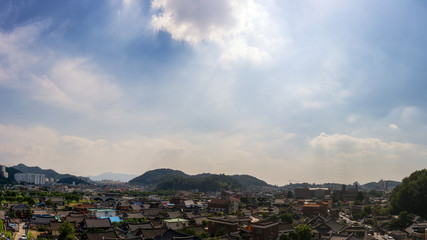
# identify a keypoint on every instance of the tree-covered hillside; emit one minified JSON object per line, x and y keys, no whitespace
{"x":156,"y":176}
{"x":49,"y":173}
{"x":204,"y":184}
{"x":169,"y":179}
{"x":411,"y":194}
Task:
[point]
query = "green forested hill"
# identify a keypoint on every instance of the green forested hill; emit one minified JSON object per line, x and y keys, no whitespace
{"x":49,"y":173}
{"x":156,"y":176}
{"x":169,"y":179}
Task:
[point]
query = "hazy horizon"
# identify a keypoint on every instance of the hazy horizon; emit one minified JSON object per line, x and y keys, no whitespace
{"x":315,"y":91}
{"x":127,"y":177}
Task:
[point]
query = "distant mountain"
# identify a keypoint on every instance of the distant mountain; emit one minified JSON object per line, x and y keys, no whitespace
{"x":154,"y":177}
{"x":207,"y":183}
{"x":49,"y":173}
{"x":177,"y":180}
{"x":71,"y":180}
{"x":113,"y":176}
{"x":381,"y":185}
{"x":247,"y":180}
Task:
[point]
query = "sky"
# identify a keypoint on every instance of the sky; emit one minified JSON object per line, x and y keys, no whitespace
{"x":286,"y":91}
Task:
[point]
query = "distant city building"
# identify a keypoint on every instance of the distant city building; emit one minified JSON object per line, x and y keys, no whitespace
{"x":307,"y":193}
{"x":33,"y":178}
{"x":3,"y":171}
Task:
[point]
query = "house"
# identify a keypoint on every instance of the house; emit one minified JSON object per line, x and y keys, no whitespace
{"x":152,"y":213}
{"x":58,"y":201}
{"x":285,"y":229}
{"x":132,"y":215}
{"x":418,"y":231}
{"x":83,"y":207}
{"x":358,"y":231}
{"x":265,"y":230}
{"x":308,"y":193}
{"x":309,"y":210}
{"x":172,"y":235}
{"x":53,"y":228}
{"x":151,"y":233}
{"x":326,"y":228}
{"x":41,"y":221}
{"x":218,"y":223}
{"x":101,"y":213}
{"x":176,"y":223}
{"x":135,"y":227}
{"x":347,"y":195}
{"x":336,"y":236}
{"x":399,"y":235}
{"x":22,"y":211}
{"x":104,"y":223}
{"x":223,"y":205}
{"x":101,"y":235}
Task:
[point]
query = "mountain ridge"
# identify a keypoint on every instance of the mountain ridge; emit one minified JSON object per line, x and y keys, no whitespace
{"x":49,"y":173}
{"x":122,"y":177}
{"x":166,"y":177}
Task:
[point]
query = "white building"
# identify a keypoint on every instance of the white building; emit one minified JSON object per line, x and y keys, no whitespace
{"x":34,"y":178}
{"x":3,"y":171}
{"x":102,"y":213}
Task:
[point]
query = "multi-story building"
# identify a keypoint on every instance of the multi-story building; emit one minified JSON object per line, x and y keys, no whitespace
{"x":307,"y":193}
{"x":3,"y":171}
{"x":33,"y":178}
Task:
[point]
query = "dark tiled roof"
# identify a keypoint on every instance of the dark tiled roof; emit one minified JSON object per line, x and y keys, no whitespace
{"x":151,"y":233}
{"x":172,"y":235}
{"x":101,"y":235}
{"x":133,"y":215}
{"x":53,"y":226}
{"x":98,"y":223}
{"x":42,"y":220}
{"x":136,"y":226}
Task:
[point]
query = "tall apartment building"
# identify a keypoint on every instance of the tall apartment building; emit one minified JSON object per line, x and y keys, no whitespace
{"x":3,"y":171}
{"x":34,"y":178}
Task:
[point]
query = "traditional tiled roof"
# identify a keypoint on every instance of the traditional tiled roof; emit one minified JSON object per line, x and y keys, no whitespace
{"x":172,"y":234}
{"x":136,"y":226}
{"x":97,"y":223}
{"x":101,"y":235}
{"x":151,"y":233}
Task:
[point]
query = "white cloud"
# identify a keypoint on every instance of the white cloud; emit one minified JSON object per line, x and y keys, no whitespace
{"x":257,"y":153}
{"x":71,"y":83}
{"x":243,"y":29}
{"x":355,"y":158}
{"x":393,"y":126}
{"x":343,"y":143}
{"x":353,"y":118}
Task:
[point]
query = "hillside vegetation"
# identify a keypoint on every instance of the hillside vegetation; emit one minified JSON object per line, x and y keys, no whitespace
{"x":169,"y":179}
{"x":411,"y":194}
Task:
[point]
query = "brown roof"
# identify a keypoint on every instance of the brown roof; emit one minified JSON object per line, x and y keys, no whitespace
{"x":101,"y":235}
{"x":136,"y":226}
{"x":53,"y":226}
{"x":97,"y":223}
{"x":151,"y":233}
{"x":75,"y":219}
{"x":218,"y":203}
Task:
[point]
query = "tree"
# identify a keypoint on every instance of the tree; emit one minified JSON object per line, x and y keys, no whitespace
{"x":284,"y":237}
{"x":66,"y":231}
{"x":367,"y":210}
{"x":286,"y":218}
{"x":290,"y":194}
{"x":404,"y":220}
{"x":360,"y":196}
{"x":411,"y":194}
{"x":49,"y":202}
{"x":303,"y":232}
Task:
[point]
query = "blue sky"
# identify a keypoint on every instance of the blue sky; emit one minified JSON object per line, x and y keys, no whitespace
{"x":301,"y":91}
